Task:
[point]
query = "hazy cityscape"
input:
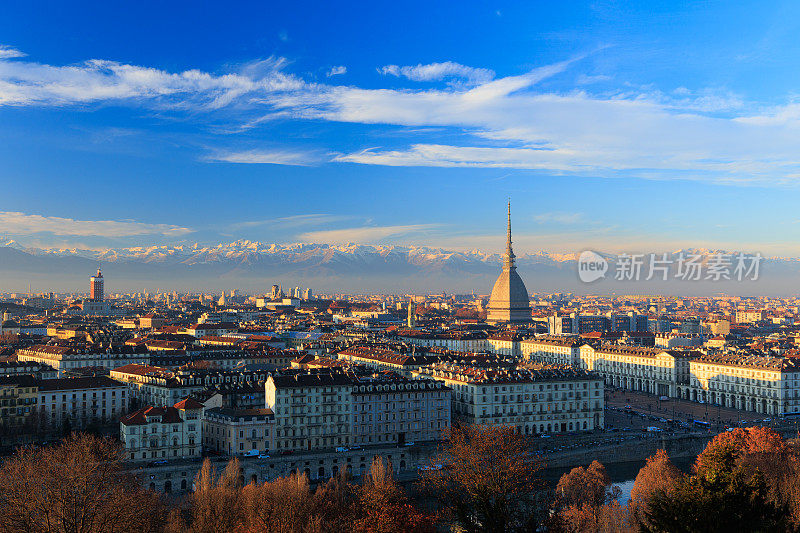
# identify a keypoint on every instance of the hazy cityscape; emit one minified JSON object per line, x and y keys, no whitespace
{"x":390,"y":268}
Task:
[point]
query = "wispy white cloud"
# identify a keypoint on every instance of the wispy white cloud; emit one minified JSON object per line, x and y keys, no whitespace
{"x":337,"y":71}
{"x":366,"y":234}
{"x":503,"y":122}
{"x":6,"y":52}
{"x":440,"y":71}
{"x":271,"y":157}
{"x":296,"y":221}
{"x":559,"y":218}
{"x":15,"y":223}
{"x":96,"y":80}
{"x":587,"y":79}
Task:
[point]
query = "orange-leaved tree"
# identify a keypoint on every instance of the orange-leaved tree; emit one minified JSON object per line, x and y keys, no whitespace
{"x":486,"y":481}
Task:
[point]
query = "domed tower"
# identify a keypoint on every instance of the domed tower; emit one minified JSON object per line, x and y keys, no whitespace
{"x":509,"y":301}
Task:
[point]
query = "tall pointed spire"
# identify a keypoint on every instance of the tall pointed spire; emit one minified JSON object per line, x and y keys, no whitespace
{"x":509,"y":259}
{"x":509,"y":301}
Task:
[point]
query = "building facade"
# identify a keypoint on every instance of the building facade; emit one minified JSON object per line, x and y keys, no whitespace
{"x":65,"y":358}
{"x":539,"y":400}
{"x":18,"y":407}
{"x":767,"y":385}
{"x":312,"y":409}
{"x":239,"y":431}
{"x":390,"y":409}
{"x":161,"y":433}
{"x":655,"y":371}
{"x":80,"y":402}
{"x":552,"y":349}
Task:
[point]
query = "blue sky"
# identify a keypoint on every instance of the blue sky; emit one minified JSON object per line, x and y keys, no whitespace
{"x":638,"y":126}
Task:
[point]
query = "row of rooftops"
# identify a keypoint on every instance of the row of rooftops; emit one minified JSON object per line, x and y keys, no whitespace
{"x":61,"y":384}
{"x":501,"y":375}
{"x":556,"y":340}
{"x":74,"y":349}
{"x":236,"y":414}
{"x":458,"y":335}
{"x":163,"y":415}
{"x":384,"y":355}
{"x":782,"y":364}
{"x":363,"y":384}
{"x":184,"y":378}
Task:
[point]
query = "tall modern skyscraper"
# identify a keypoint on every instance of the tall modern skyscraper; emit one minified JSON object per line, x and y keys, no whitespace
{"x":96,"y":287}
{"x":509,"y":301}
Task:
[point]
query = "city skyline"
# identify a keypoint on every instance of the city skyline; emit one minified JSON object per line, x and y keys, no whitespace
{"x":405,"y":267}
{"x":275,"y":128}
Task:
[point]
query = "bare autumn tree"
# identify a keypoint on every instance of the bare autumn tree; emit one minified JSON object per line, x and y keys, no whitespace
{"x":285,"y":505}
{"x":78,"y":486}
{"x":485,"y":480}
{"x":386,"y":507}
{"x":337,"y":501}
{"x":216,"y":503}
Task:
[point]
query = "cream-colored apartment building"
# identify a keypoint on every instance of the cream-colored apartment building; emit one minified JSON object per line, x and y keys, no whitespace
{"x":552,"y":349}
{"x":395,"y":410}
{"x":652,"y":370}
{"x":312,"y":409}
{"x":239,"y":431}
{"x":537,"y":400}
{"x":769,"y":385}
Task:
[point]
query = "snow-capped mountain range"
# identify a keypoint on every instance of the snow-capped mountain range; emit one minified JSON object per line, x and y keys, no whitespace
{"x":244,"y":251}
{"x":254,"y":265}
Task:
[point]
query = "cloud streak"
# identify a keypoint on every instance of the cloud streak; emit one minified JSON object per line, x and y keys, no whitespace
{"x":295,"y":221}
{"x":6,"y":52}
{"x":271,"y":157}
{"x":96,"y":80}
{"x":15,"y":223}
{"x":440,"y":71}
{"x":366,"y":234}
{"x":337,"y":71}
{"x":507,"y":122}
{"x":559,"y":218}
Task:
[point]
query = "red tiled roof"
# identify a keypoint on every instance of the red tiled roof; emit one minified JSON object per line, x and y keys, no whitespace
{"x":169,"y":415}
{"x":188,"y":403}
